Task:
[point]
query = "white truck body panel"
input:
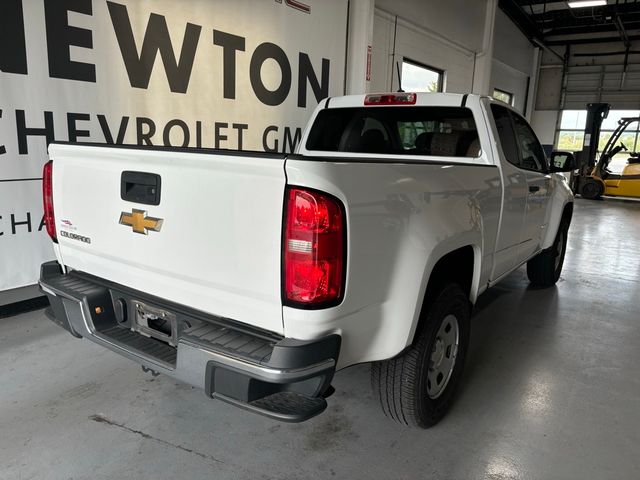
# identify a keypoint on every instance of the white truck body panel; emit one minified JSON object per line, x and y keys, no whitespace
{"x":397,"y":233}
{"x":221,"y":243}
{"x":219,"y":247}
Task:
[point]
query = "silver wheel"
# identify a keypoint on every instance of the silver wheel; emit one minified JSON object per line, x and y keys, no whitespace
{"x":559,"y":248}
{"x":443,"y":356}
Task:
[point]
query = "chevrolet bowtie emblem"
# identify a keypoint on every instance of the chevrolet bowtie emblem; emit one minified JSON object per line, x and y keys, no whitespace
{"x":139,"y":221}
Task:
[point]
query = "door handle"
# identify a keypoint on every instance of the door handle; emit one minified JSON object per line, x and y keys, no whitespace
{"x":533,"y":188}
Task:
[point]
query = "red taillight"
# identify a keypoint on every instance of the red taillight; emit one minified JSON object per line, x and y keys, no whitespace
{"x":47,"y":197}
{"x":401,"y":98}
{"x":314,"y":248}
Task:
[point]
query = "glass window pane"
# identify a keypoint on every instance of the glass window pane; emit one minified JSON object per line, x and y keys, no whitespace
{"x":570,"y":140}
{"x":604,"y":138}
{"x":532,"y":155}
{"x":437,"y":131}
{"x":505,"y":97}
{"x":628,"y":137}
{"x":619,"y":161}
{"x":416,"y":78}
{"x":611,"y":122}
{"x":506,"y":133}
{"x":573,"y":120}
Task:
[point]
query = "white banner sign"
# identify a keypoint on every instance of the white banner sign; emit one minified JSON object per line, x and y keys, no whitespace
{"x":231,"y":74}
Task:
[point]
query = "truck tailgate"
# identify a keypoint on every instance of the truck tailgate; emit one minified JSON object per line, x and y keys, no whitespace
{"x":218,"y":245}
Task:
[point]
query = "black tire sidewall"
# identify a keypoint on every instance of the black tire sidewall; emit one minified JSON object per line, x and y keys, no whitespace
{"x":597,"y":187}
{"x":451,"y":300}
{"x":564,"y":229}
{"x":541,"y":269}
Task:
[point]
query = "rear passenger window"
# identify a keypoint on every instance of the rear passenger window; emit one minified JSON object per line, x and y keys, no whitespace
{"x":519,"y":144}
{"x":532,"y":155}
{"x":435,"y":131}
{"x":506,"y":134}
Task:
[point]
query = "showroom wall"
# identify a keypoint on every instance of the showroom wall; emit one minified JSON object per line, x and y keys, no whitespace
{"x":235,"y":74}
{"x":434,"y":35}
{"x":514,"y":62}
{"x":547,"y":107}
{"x":431,"y":35}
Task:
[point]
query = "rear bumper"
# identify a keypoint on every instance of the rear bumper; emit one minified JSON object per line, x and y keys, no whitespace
{"x":279,"y":377}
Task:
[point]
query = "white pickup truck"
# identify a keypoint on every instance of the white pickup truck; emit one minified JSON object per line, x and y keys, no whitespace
{"x":257,"y":276}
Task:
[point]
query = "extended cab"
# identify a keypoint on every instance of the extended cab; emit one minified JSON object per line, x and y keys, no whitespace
{"x":256,"y":276}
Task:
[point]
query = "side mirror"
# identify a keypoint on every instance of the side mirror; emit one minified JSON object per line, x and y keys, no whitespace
{"x":563,"y":162}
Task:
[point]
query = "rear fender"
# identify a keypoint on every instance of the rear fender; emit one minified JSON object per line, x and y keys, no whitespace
{"x":469,"y":239}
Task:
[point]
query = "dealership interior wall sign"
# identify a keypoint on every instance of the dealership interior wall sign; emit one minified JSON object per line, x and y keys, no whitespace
{"x":231,"y":74}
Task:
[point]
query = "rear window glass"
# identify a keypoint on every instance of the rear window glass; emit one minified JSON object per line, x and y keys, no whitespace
{"x":436,"y":131}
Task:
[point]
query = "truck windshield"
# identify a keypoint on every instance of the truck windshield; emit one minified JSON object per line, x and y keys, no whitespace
{"x":435,"y":131}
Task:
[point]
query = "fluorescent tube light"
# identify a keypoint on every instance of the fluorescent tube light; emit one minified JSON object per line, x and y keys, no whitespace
{"x":587,"y":3}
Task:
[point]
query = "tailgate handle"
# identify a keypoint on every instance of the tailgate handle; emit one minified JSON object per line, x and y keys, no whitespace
{"x":140,"y":187}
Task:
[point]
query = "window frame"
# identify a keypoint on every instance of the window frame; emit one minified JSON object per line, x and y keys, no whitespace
{"x":438,"y":71}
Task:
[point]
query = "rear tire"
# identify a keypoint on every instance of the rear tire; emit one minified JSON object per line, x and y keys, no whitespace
{"x":417,"y":388}
{"x":544,"y":269}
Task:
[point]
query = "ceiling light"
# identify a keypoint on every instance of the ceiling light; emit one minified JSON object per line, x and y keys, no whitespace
{"x":587,"y":3}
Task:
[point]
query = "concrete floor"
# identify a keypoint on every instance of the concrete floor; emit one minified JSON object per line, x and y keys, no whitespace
{"x":551,"y":391}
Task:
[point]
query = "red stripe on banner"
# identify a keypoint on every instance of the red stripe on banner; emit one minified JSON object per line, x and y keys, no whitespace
{"x":303,"y":7}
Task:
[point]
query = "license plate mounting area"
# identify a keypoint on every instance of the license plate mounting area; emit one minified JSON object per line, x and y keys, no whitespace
{"x":155,"y":322}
